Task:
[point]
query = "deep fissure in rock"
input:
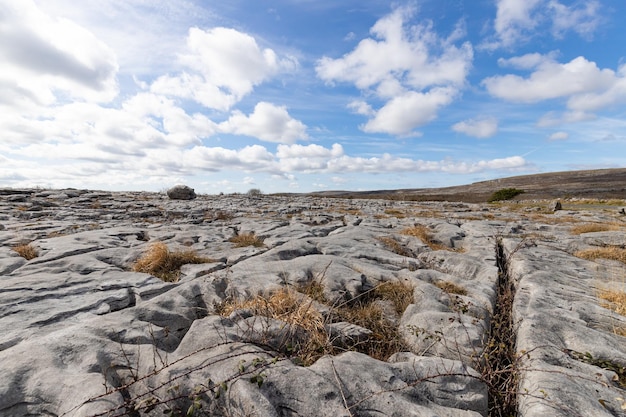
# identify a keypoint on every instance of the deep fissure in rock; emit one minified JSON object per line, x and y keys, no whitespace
{"x":499,"y":358}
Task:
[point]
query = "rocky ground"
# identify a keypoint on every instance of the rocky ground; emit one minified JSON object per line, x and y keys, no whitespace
{"x":307,"y":306}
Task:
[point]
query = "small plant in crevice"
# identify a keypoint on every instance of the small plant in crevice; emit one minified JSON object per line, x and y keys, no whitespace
{"x":246,"y":239}
{"x":498,"y":362}
{"x":620,"y":370}
{"x":26,"y":251}
{"x":159,"y":261}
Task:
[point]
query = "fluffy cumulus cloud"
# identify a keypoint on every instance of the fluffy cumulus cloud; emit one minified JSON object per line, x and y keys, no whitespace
{"x":268,"y":122}
{"x":222,"y":65}
{"x":410,"y":69}
{"x":583,"y":85}
{"x":518,"y":21}
{"x":479,"y":128}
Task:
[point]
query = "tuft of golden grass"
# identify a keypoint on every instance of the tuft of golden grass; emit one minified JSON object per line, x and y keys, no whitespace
{"x":616,"y":300}
{"x":395,"y":246}
{"x":423,"y":233}
{"x":399,"y":293}
{"x":593,"y":227}
{"x":26,"y":251}
{"x":165,"y":264}
{"x":298,"y":309}
{"x":286,"y":305}
{"x":246,"y":239}
{"x":315,"y":290}
{"x":614,"y":253}
{"x":395,"y":213}
{"x":450,"y":287}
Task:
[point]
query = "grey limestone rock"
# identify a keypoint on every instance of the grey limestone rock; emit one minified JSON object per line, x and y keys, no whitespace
{"x":83,"y":334}
{"x":181,"y":192}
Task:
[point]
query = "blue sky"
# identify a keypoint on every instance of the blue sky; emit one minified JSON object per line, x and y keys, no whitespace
{"x":306,"y":95}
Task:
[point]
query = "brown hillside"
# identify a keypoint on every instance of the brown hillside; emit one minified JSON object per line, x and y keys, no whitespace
{"x":602,"y":183}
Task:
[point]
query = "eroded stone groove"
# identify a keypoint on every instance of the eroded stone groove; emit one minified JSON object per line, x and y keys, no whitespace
{"x":499,"y":357}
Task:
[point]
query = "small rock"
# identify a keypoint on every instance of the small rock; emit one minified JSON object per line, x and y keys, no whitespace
{"x":17,"y":198}
{"x":558,"y":206}
{"x":181,"y":192}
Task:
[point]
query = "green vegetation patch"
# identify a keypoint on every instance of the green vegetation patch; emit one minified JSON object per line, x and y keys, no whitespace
{"x":505,"y":194}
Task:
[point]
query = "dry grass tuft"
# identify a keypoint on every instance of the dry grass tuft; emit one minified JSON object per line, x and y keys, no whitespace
{"x":165,"y":264}
{"x":395,"y":246}
{"x":26,"y":251}
{"x":616,"y":300}
{"x":593,"y":227}
{"x":298,"y":308}
{"x":399,"y":293}
{"x":423,"y":233}
{"x":286,"y":305}
{"x":246,"y":239}
{"x":450,"y":287}
{"x":395,"y":213}
{"x":614,"y":253}
{"x":315,"y":290}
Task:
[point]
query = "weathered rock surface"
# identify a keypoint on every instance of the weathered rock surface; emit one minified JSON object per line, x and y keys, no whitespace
{"x":84,"y":335}
{"x":181,"y":192}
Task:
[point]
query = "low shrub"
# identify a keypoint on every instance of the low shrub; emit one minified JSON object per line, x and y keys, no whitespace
{"x":505,"y":194}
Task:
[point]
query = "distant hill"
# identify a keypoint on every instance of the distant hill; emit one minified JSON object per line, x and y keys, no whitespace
{"x":600,"y":183}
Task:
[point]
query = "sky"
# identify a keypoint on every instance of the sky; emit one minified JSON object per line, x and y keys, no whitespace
{"x":307,"y":95}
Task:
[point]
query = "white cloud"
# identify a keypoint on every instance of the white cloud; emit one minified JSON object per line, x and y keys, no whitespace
{"x":518,"y":21}
{"x":154,"y":31}
{"x":478,"y":128}
{"x":401,"y":64}
{"x":513,"y":19}
{"x":528,"y":61}
{"x":551,"y":119}
{"x":267,"y":122}
{"x":45,"y":58}
{"x":222,"y":66}
{"x":401,"y":114}
{"x":582,"y":18}
{"x":309,"y":151}
{"x":361,"y":107}
{"x":559,"y":136}
{"x":586,"y":86}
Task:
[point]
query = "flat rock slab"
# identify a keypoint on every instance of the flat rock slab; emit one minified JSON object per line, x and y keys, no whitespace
{"x":85,"y":335}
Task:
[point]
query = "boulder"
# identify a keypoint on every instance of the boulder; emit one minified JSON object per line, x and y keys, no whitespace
{"x":181,"y":192}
